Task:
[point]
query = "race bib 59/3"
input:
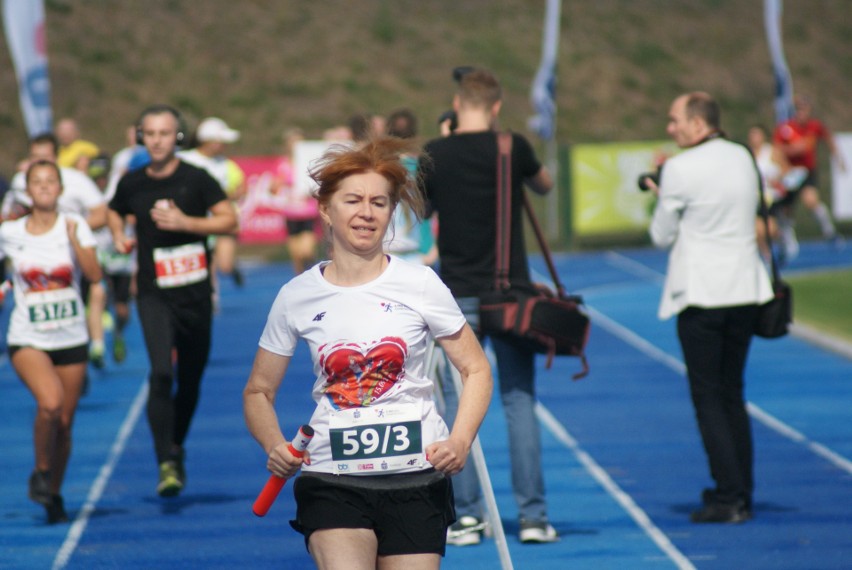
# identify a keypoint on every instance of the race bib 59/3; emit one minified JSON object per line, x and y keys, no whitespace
{"x":376,"y":439}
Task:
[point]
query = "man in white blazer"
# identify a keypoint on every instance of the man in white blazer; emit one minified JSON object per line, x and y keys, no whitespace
{"x":708,"y":199}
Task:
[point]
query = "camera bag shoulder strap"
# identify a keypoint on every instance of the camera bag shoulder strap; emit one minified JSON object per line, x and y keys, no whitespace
{"x":545,"y":250}
{"x":504,"y":234}
{"x":764,"y":214}
{"x":504,"y":221}
{"x":504,"y":212}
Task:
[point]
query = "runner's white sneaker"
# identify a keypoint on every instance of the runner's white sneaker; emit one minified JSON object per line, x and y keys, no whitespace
{"x":537,"y":532}
{"x":466,"y":531}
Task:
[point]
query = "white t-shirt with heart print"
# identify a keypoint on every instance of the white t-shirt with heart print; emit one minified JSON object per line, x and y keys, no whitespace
{"x":375,"y":413}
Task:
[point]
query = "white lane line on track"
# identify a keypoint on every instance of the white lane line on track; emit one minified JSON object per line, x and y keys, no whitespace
{"x":642,"y":344}
{"x":605,"y":481}
{"x":819,"y":449}
{"x":633,"y":267}
{"x":97,"y":488}
{"x":652,"y":351}
{"x":755,"y":411}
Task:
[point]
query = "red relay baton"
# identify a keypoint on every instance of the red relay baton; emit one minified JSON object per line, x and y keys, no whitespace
{"x":5,"y":287}
{"x":275,"y":483}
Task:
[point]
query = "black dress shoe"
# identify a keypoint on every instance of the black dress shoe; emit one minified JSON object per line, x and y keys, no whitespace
{"x":721,"y":513}
{"x":710,"y":496}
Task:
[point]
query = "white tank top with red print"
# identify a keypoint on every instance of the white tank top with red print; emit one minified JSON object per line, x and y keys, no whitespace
{"x":49,"y":313}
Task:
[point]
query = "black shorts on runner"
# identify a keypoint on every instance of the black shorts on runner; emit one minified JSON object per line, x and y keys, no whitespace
{"x":60,"y":356}
{"x":295,"y":227}
{"x":119,"y":284}
{"x":792,"y":195}
{"x":409,"y":512}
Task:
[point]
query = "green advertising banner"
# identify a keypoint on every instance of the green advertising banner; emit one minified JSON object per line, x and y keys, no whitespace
{"x":604,"y":190}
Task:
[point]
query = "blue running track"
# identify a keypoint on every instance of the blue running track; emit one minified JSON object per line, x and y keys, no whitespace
{"x":623,"y":460}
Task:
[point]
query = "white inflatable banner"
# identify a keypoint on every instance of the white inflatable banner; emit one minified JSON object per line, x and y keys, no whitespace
{"x":23,"y":22}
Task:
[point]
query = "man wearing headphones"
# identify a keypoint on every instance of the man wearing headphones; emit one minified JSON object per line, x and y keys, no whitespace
{"x":175,"y":206}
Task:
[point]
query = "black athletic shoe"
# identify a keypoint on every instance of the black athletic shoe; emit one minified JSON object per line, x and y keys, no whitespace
{"x":56,"y":510}
{"x":179,"y":457}
{"x":39,"y":490}
{"x":721,"y":513}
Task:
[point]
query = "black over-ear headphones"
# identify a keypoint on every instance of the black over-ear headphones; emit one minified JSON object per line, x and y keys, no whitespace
{"x":157,"y":110}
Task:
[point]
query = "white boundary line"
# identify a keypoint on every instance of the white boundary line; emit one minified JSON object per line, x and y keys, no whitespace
{"x":438,"y":363}
{"x":756,"y":412}
{"x":97,"y":488}
{"x":595,"y":470}
{"x":633,"y":339}
{"x":656,"y":353}
{"x":801,"y":331}
{"x":633,"y":267}
{"x":785,"y":430}
{"x":603,"y":478}
{"x":822,"y":340}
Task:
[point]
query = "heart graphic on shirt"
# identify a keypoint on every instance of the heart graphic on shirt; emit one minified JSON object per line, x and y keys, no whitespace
{"x":37,"y":279}
{"x":358,"y":374}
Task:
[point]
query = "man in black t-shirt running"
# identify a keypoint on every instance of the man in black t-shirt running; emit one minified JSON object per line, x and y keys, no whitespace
{"x":175,"y":206}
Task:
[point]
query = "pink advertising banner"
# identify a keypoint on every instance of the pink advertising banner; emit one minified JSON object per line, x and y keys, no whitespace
{"x":262,"y":208}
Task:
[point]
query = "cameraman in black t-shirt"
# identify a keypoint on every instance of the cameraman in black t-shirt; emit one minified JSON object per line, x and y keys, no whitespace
{"x":460,"y":180}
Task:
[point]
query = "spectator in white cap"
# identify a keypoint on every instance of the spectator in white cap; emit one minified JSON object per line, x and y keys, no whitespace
{"x":211,"y":141}
{"x":214,"y":129}
{"x":212,"y":138}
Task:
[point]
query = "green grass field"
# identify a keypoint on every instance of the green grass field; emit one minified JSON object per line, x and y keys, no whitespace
{"x":823,"y":300}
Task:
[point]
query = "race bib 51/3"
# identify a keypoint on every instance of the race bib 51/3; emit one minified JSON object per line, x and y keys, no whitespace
{"x":376,"y":439}
{"x":51,"y":310}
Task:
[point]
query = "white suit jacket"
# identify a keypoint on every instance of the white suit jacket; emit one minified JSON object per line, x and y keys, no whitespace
{"x":706,"y":213}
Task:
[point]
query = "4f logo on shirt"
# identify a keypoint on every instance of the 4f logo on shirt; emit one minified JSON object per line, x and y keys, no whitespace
{"x":319,"y":316}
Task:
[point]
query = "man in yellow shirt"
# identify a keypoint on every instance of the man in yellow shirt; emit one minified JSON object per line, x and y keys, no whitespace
{"x":74,"y":152}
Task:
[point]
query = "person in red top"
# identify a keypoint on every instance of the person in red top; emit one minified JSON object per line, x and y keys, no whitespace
{"x":798,"y":139}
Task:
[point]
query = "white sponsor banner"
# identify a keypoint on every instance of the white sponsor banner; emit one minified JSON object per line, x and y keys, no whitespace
{"x":306,"y":155}
{"x":23,"y":22}
{"x":841,"y":178}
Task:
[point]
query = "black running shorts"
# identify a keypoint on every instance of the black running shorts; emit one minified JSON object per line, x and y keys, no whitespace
{"x":409,"y":513}
{"x":61,"y":356}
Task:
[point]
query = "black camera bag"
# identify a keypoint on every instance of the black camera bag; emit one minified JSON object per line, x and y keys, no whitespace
{"x":551,"y":323}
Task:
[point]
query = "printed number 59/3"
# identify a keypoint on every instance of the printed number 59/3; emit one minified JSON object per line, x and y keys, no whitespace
{"x":369,"y":440}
